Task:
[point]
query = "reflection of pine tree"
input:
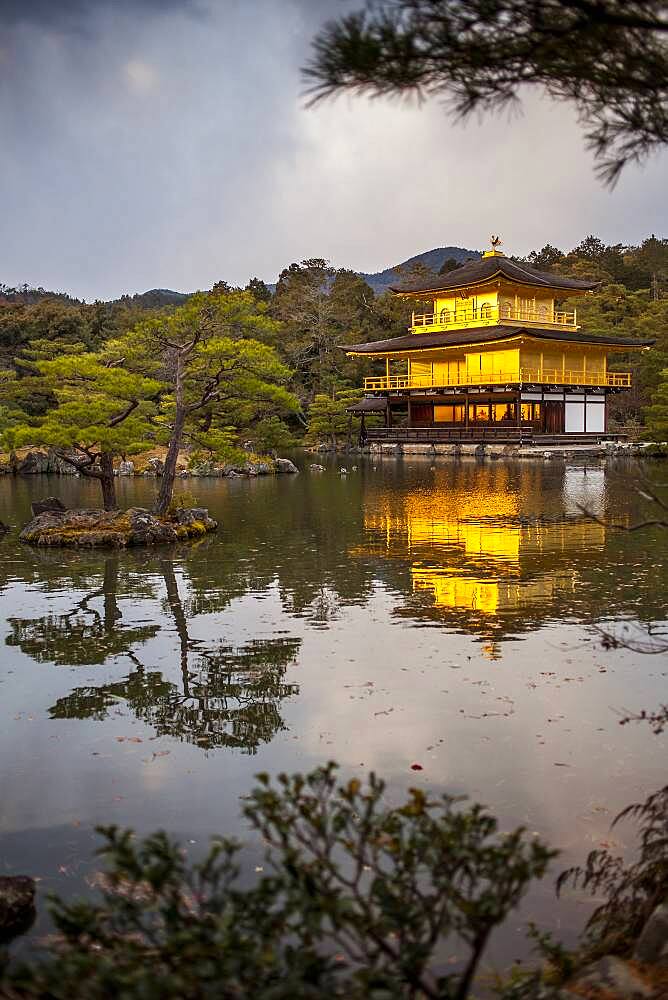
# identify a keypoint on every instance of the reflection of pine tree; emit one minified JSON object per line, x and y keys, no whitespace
{"x":226,"y":696}
{"x":84,"y":635}
{"x":230,"y":697}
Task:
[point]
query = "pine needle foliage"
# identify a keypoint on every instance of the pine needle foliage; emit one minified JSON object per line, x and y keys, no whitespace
{"x":608,"y":58}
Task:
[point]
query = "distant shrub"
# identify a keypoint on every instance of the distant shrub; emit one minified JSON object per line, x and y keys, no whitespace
{"x":183,"y":500}
{"x":656,"y":415}
{"x":656,"y":450}
{"x":270,"y":435}
{"x":631,"y":892}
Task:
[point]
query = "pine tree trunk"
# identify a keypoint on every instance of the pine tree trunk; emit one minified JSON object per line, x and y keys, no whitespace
{"x":112,"y":612}
{"x":169,"y":473}
{"x":180,"y":620}
{"x":107,"y":481}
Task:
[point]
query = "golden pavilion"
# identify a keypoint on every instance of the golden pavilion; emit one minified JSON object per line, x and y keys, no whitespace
{"x":499,"y":356}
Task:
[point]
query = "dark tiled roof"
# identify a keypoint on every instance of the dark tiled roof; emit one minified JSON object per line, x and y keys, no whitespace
{"x":485,"y":334}
{"x":478,"y":271}
{"x":368,"y":404}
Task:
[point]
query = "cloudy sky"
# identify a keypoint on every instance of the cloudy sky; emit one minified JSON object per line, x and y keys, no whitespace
{"x":166,"y":143}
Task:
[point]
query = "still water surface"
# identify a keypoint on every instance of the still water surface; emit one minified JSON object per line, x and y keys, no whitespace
{"x":401,"y":614}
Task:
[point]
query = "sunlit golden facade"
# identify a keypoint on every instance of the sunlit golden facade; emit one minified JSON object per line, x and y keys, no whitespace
{"x":499,"y":355}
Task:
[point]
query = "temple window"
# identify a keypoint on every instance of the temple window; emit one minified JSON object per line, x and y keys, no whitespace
{"x":446,"y":414}
{"x":479,"y":413}
{"x":504,"y":412}
{"x":531,"y":412}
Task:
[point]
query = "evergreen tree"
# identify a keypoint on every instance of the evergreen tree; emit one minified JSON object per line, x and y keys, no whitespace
{"x":219,"y":376}
{"x":258,"y":290}
{"x":449,"y":264}
{"x":657,"y":413}
{"x":102,"y":411}
{"x":546,"y":258}
{"x":322,"y":309}
{"x":609,"y":59}
{"x":328,"y":417}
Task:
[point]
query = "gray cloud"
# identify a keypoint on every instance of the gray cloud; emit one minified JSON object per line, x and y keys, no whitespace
{"x":76,"y":15}
{"x":167,"y":144}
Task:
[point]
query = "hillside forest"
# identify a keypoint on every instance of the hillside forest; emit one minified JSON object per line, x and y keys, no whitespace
{"x":262,"y":367}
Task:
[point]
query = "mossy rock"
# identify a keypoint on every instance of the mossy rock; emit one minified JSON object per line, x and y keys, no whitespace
{"x":17,"y":905}
{"x":115,"y":528}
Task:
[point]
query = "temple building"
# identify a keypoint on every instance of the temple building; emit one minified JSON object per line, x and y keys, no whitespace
{"x":499,"y":355}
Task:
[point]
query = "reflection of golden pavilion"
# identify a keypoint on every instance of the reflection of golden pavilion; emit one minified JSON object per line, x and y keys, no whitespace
{"x":487,"y":596}
{"x":485,"y":564}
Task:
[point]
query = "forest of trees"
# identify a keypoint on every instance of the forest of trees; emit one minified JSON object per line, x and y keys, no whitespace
{"x":232,"y":365}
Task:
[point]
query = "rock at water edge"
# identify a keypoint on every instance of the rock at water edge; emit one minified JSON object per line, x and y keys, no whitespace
{"x":285,"y":465}
{"x":50,"y":504}
{"x":17,"y":905}
{"x":613,"y":975}
{"x":652,"y":945}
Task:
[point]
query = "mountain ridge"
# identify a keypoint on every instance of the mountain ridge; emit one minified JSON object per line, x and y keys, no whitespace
{"x":380,"y":281}
{"x":155,"y":298}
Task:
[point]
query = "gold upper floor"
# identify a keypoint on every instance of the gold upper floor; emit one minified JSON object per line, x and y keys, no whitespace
{"x":499,"y":304}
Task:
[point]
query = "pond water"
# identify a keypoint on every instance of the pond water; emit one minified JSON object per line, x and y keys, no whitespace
{"x":405,"y":613}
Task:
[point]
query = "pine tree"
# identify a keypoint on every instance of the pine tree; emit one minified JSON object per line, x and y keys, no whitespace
{"x":102,"y":411}
{"x":219,"y":375}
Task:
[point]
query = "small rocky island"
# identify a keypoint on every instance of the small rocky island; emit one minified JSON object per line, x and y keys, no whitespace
{"x":54,"y":525}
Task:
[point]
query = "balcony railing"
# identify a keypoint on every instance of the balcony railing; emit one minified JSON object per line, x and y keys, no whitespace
{"x":523,"y":376}
{"x":488,"y":315}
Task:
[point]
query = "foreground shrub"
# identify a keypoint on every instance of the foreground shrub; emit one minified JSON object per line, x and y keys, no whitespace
{"x":355,"y":900}
{"x":630,"y":892}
